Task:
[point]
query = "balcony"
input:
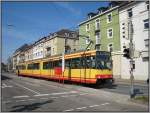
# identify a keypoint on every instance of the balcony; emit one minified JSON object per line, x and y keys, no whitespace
{"x":48,"y":54}
{"x":146,"y":42}
{"x":144,"y":54}
{"x":97,"y":29}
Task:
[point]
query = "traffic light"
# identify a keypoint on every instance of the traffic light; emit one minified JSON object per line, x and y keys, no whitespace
{"x":126,"y":53}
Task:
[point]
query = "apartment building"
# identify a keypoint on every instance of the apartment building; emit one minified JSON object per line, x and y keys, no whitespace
{"x":60,"y":40}
{"x":53,"y":44}
{"x":138,"y":13}
{"x":38,"y":48}
{"x":19,"y":55}
{"x":103,"y":28}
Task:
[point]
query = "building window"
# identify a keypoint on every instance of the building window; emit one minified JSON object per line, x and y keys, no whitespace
{"x":87,"y":27}
{"x":110,"y":33}
{"x":146,"y":24}
{"x":147,"y":5}
{"x":87,"y":40}
{"x":98,"y":38}
{"x":109,"y":18}
{"x":110,"y":47}
{"x":97,"y":24}
{"x":130,"y":13}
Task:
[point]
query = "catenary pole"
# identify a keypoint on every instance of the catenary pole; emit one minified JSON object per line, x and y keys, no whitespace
{"x":131,"y":50}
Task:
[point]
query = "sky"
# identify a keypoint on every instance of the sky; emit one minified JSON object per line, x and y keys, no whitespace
{"x":26,"y":22}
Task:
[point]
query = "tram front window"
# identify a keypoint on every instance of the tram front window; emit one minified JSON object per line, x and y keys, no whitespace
{"x":103,"y":61}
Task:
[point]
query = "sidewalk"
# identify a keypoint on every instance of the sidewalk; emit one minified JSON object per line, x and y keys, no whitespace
{"x":128,"y":81}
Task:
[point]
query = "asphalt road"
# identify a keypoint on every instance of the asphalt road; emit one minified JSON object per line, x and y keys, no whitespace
{"x":30,"y":94}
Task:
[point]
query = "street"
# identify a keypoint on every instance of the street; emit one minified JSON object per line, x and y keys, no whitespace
{"x":30,"y":94}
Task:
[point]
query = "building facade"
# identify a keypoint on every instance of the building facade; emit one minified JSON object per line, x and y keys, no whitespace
{"x":138,"y":13}
{"x":19,"y":55}
{"x":53,"y":44}
{"x":59,"y":41}
{"x":103,"y":29}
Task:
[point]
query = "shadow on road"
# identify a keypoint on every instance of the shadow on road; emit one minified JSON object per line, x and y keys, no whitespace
{"x":5,"y":78}
{"x":29,"y":107}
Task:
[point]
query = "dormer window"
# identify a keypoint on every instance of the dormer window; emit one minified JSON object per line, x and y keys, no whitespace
{"x":130,"y":13}
{"x":147,"y":5}
{"x":109,"y":18}
{"x":97,"y":24}
{"x":67,"y":34}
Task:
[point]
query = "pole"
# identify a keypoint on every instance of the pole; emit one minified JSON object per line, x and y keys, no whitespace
{"x":131,"y":58}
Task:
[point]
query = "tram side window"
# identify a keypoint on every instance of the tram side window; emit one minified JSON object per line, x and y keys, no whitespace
{"x":57,"y":63}
{"x":67,"y":63}
{"x":75,"y":63}
{"x":46,"y":65}
{"x":30,"y":66}
{"x":83,"y":62}
{"x":93,"y":64}
{"x":36,"y":66}
{"x":88,"y":62}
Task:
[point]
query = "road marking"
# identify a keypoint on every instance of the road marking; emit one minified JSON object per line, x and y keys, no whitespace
{"x":69,"y":110}
{"x":86,"y":107}
{"x":27,"y":88}
{"x":72,"y":95}
{"x":20,"y":100}
{"x":83,"y":94}
{"x":105,"y":104}
{"x":24,"y":96}
{"x":81,"y":108}
{"x":6,"y":102}
{"x":93,"y":106}
{"x":65,"y":96}
{"x":53,"y":97}
{"x":5,"y":86}
{"x":56,"y":93}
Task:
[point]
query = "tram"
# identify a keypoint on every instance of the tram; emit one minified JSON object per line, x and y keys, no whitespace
{"x":90,"y":67}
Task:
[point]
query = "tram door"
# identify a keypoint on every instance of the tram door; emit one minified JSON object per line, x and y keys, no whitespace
{"x":83,"y":69}
{"x":68,"y":68}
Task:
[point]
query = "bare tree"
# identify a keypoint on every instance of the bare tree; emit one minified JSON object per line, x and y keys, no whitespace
{"x":9,"y":64}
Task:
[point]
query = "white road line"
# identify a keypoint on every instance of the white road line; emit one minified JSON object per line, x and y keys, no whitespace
{"x":65,"y":96}
{"x":20,"y":100}
{"x":27,"y":88}
{"x":54,"y":97}
{"x":31,"y":99}
{"x":56,"y":93}
{"x":72,"y":95}
{"x":6,"y":102}
{"x":23,"y":96}
{"x":105,"y":104}
{"x":83,"y":94}
{"x":93,"y":106}
{"x":6,"y":86}
{"x":81,"y":108}
{"x":68,"y":95}
{"x":69,"y":110}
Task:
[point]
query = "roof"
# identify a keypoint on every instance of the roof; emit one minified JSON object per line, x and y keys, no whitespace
{"x":107,"y":11}
{"x":64,"y":33}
